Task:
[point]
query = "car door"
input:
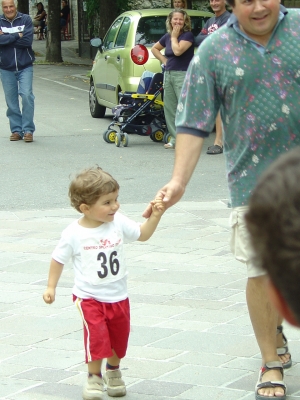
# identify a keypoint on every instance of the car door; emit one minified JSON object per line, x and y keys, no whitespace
{"x":119,"y":63}
{"x":101,"y":73}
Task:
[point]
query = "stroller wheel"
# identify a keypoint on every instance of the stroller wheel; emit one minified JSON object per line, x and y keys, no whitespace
{"x":105,"y":136}
{"x":157,"y":136}
{"x":121,"y":139}
{"x":167,"y":138}
{"x":110,"y":136}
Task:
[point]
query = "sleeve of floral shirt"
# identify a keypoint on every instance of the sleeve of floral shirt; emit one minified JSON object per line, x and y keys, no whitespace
{"x":199,"y":102}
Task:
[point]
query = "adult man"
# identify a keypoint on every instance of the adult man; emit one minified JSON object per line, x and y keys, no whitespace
{"x":16,"y":35}
{"x":214,"y":23}
{"x":249,"y":69}
{"x":275,"y":201}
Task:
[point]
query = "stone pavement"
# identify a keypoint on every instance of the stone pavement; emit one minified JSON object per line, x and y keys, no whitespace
{"x":191,"y":337}
{"x":69,"y":51}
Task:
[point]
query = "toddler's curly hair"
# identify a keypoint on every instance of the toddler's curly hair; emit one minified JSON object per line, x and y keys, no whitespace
{"x":90,"y":184}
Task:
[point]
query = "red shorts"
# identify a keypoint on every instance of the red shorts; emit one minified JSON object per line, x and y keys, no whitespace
{"x":106,"y":326}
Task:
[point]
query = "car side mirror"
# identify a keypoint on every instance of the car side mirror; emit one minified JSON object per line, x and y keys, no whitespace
{"x":97,"y":42}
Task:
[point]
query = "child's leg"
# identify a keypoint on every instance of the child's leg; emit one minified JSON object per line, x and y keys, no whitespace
{"x":97,"y":344}
{"x":94,"y":367}
{"x":113,"y":361}
{"x":119,"y":327}
{"x":113,"y":377}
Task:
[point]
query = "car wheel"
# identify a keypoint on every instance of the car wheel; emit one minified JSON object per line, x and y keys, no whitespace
{"x":110,"y":136}
{"x":96,"y":110}
{"x":157,"y":136}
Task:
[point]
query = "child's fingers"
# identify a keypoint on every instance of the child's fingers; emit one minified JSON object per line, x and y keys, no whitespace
{"x":48,"y":298}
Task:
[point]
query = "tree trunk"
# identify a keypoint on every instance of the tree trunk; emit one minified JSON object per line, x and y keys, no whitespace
{"x":23,"y":6}
{"x":53,"y":44}
{"x":108,"y":11}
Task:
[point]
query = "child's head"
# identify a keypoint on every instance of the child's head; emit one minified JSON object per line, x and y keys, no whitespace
{"x":89,"y":185}
{"x":273,"y":222}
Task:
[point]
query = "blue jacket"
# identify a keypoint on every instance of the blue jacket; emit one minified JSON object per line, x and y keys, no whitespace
{"x":16,"y":52}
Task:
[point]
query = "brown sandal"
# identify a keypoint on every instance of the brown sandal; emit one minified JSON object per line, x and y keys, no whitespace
{"x":270,"y":384}
{"x":281,"y":351}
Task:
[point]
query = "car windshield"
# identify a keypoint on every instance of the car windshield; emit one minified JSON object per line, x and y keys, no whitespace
{"x":151,"y":29}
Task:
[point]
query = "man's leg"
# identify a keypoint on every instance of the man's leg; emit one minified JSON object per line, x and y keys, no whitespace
{"x":219,"y":136}
{"x":25,"y":90}
{"x":10,"y":88}
{"x":217,"y":147}
{"x":263,"y":315}
{"x":264,"y":320}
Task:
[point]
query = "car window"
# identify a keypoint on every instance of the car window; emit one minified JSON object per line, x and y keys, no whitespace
{"x":151,"y":29}
{"x":197,"y":23}
{"x":123,"y":32}
{"x":108,"y":42}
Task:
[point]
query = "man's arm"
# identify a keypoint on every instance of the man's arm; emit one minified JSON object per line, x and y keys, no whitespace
{"x":7,"y":39}
{"x":27,"y":35}
{"x":187,"y":153}
{"x":202,"y":35}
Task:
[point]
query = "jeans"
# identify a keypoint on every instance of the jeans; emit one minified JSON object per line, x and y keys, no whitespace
{"x":17,"y":83}
{"x":173,"y":82}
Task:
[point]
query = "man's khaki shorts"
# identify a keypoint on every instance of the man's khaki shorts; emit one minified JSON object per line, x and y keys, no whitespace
{"x":240,"y":241}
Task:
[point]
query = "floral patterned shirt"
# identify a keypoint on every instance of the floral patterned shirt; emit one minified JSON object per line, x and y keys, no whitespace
{"x":257,"y":90}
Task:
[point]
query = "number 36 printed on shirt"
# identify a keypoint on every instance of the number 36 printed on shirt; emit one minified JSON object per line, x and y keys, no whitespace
{"x":111,"y":264}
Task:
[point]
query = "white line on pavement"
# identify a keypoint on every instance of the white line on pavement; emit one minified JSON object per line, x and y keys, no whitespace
{"x":64,"y":84}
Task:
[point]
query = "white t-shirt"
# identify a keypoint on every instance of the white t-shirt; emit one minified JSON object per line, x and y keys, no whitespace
{"x":98,"y":257}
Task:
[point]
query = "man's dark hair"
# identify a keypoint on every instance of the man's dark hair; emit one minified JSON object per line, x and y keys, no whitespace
{"x":273,"y":221}
{"x":231,"y":3}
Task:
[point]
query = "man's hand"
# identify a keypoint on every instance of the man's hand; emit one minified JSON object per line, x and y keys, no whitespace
{"x":20,"y":34}
{"x":170,"y":195}
{"x":49,"y":295}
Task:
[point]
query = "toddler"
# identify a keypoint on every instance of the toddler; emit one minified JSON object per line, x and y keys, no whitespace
{"x":94,"y":242}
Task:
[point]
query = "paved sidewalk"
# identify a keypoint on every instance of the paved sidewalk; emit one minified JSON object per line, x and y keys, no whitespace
{"x":191,"y":336}
{"x":69,"y":52}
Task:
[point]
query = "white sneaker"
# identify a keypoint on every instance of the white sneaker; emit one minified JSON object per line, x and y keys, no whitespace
{"x":93,"y":389}
{"x":115,"y":385}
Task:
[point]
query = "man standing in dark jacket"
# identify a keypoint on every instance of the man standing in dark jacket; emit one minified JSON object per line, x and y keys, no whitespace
{"x":214,"y":23}
{"x":16,"y":59}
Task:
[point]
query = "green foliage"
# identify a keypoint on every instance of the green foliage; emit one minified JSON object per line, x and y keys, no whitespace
{"x":157,"y":4}
{"x":123,"y":5}
{"x":203,"y":6}
{"x":92,"y":10}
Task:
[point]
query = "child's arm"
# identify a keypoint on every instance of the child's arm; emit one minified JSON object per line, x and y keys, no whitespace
{"x":53,"y":278}
{"x":149,"y":226}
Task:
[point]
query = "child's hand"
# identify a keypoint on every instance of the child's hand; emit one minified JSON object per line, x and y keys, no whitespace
{"x":49,"y":295}
{"x":158,"y":207}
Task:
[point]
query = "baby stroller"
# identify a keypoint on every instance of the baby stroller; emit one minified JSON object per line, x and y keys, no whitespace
{"x":141,"y":113}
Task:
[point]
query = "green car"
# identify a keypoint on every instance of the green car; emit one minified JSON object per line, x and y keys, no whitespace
{"x":113,"y":70}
